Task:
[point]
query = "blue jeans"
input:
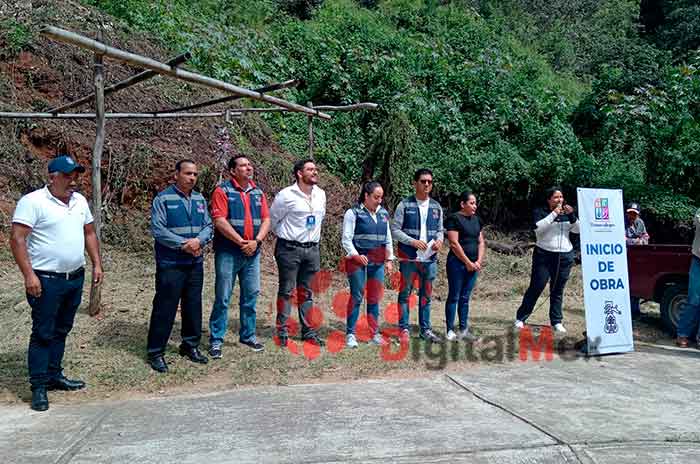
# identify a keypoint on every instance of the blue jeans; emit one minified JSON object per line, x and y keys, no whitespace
{"x":53,"y":314}
{"x":690,"y":313}
{"x":426,"y":272}
{"x":461,"y":283}
{"x":228,"y":266}
{"x":374,"y":273}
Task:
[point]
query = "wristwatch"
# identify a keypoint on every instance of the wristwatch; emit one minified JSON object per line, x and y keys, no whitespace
{"x":258,"y":241}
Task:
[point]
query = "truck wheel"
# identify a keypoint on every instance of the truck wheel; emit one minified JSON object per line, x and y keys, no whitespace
{"x":674,"y":297}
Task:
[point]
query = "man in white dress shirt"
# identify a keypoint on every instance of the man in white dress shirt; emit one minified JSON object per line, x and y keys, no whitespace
{"x":296,"y":215}
{"x":51,"y":229}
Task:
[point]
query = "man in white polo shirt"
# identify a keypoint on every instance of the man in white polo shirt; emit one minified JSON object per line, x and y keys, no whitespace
{"x":51,"y":229}
{"x":296,"y":215}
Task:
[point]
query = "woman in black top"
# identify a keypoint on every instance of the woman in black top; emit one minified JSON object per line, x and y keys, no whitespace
{"x":467,"y":249}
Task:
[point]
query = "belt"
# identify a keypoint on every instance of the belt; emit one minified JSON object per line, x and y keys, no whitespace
{"x":294,"y":243}
{"x":61,"y":275}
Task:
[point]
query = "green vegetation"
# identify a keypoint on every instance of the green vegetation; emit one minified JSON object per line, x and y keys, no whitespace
{"x":14,"y":37}
{"x":503,"y":97}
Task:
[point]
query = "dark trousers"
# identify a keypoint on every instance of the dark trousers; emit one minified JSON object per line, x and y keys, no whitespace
{"x":176,"y":285}
{"x":52,"y":319}
{"x":552,"y":267}
{"x":297,"y":266}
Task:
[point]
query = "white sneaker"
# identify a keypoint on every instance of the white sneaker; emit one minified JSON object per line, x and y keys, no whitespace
{"x":378,"y":340}
{"x":350,"y":341}
{"x":559,"y":328}
{"x":519,"y":324}
{"x":451,"y":336}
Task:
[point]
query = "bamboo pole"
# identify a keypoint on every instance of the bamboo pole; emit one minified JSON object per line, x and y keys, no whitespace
{"x":96,"y":288}
{"x":92,"y":116}
{"x":64,"y":36}
{"x":135,"y":79}
{"x":354,"y":107}
{"x":216,"y":101}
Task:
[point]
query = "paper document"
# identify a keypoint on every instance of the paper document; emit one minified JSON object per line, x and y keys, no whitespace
{"x":424,"y":255}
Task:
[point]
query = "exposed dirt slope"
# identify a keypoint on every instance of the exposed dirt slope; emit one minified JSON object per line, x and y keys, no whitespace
{"x":139,"y":154}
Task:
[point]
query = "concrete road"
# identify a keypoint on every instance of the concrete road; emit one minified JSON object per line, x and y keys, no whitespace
{"x":639,"y":407}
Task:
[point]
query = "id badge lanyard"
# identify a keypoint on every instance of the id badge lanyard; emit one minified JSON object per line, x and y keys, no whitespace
{"x":310,"y":223}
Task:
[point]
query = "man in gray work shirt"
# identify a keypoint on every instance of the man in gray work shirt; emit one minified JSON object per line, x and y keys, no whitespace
{"x":418,"y":229}
{"x":181,"y":226}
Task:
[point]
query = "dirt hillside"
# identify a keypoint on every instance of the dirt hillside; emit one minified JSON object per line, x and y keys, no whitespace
{"x":37,"y":74}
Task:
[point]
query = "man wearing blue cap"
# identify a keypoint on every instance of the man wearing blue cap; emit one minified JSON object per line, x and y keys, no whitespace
{"x":51,"y":229}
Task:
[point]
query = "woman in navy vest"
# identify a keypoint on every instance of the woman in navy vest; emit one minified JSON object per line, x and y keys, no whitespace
{"x":367,"y":242}
{"x":467,"y":250}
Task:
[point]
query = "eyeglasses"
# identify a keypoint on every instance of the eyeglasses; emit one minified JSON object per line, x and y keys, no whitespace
{"x":426,"y":181}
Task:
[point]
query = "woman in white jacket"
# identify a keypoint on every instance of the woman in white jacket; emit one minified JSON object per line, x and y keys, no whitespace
{"x":552,"y":258}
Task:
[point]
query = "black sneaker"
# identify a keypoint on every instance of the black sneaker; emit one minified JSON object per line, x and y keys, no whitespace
{"x":254,"y":345}
{"x":314,"y":340}
{"x":215,"y":351}
{"x":282,"y":341}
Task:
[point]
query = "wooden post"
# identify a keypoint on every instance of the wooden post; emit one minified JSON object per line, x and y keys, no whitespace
{"x":311,"y":133}
{"x":96,"y":289}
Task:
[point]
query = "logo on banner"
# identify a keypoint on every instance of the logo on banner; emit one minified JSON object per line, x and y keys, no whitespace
{"x":610,"y":311}
{"x":601,"y":209}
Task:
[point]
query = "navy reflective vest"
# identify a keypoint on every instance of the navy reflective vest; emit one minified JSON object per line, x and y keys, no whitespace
{"x":370,"y":237}
{"x":236,"y":215}
{"x":182,"y":223}
{"x":411,"y":225}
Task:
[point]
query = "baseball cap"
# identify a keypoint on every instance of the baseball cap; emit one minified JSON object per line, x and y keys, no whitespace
{"x":633,"y":207}
{"x":64,"y":164}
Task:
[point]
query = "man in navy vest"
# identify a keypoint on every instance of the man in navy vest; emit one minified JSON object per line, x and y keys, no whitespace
{"x":181,"y":226}
{"x":241,"y":222}
{"x":417,"y":227}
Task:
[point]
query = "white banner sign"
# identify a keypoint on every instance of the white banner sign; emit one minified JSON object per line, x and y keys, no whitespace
{"x":605,"y":279}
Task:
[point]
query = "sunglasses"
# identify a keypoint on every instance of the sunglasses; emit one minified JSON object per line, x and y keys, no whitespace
{"x":425,"y":181}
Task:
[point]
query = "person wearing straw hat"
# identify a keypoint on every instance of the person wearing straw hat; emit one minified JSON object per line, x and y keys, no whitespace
{"x":368,"y":244}
{"x":635,"y":230}
{"x":635,"y":234}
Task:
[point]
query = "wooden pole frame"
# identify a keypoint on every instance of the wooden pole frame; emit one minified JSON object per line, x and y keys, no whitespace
{"x":216,"y":101}
{"x":92,"y":116}
{"x":78,"y":40}
{"x":135,"y":79}
{"x":345,"y":108}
